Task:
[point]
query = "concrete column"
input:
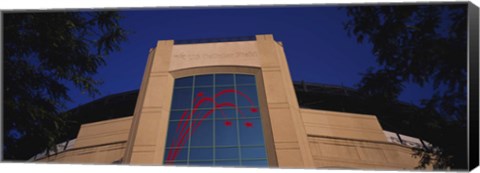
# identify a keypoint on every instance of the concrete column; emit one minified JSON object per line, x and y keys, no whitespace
{"x":146,"y":141}
{"x":289,"y":135}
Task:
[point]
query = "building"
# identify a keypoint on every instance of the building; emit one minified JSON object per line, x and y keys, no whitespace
{"x":232,"y":103}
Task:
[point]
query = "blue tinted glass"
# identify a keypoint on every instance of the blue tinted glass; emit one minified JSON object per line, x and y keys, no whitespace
{"x":226,"y":153}
{"x":225,"y":113}
{"x":224,"y":79}
{"x":227,"y":163}
{"x":249,"y":112}
{"x":251,"y":132}
{"x":201,"y":154}
{"x":202,"y":133}
{"x":247,"y":96}
{"x":178,"y":115}
{"x":182,"y":98}
{"x":244,"y":79}
{"x":203,"y":98}
{"x":202,"y":163}
{"x":176,"y":154}
{"x":184,"y":82}
{"x":253,"y":152}
{"x":224,"y":97}
{"x":255,"y":163}
{"x":215,"y":116}
{"x":226,"y":132}
{"x":177,"y":135}
{"x":204,"y":80}
{"x":203,"y":114}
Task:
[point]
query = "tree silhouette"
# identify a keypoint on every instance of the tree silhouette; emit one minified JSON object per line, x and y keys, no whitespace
{"x":43,"y":52}
{"x":422,"y":44}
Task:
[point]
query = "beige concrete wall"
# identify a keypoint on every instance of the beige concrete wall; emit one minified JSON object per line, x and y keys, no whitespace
{"x":342,"y":125}
{"x":354,"y":141}
{"x":100,"y":143}
{"x":358,"y":154}
{"x":243,"y":53}
{"x":103,"y":132}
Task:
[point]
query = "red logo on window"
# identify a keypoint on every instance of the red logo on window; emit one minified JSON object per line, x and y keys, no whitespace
{"x":182,"y":126}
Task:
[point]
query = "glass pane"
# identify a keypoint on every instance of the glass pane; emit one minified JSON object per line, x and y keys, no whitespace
{"x":202,"y":163}
{"x":226,"y":153}
{"x":184,"y":82}
{"x":249,"y":112}
{"x":203,"y":113}
{"x":176,"y":154}
{"x":182,"y":98}
{"x":253,"y":152}
{"x":202,"y":133}
{"x":255,"y":163}
{"x":251,"y":132}
{"x":177,"y":134}
{"x":204,"y":80}
{"x":179,"y":115}
{"x":224,"y":97}
{"x":247,"y":96}
{"x":225,"y":113}
{"x":244,"y":79}
{"x":224,"y":79}
{"x":227,"y":163}
{"x":226,"y":132}
{"x":201,"y":154}
{"x":203,"y":98}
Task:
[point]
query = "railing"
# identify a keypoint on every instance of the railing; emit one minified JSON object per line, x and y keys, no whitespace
{"x":406,"y":140}
{"x":57,"y":149}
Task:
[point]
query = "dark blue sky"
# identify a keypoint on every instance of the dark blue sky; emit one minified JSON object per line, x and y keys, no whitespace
{"x":317,"y":47}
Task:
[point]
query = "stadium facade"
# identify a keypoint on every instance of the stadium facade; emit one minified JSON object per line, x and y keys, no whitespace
{"x":231,"y":103}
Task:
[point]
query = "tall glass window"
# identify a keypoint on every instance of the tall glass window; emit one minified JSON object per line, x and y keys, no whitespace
{"x":215,"y":121}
